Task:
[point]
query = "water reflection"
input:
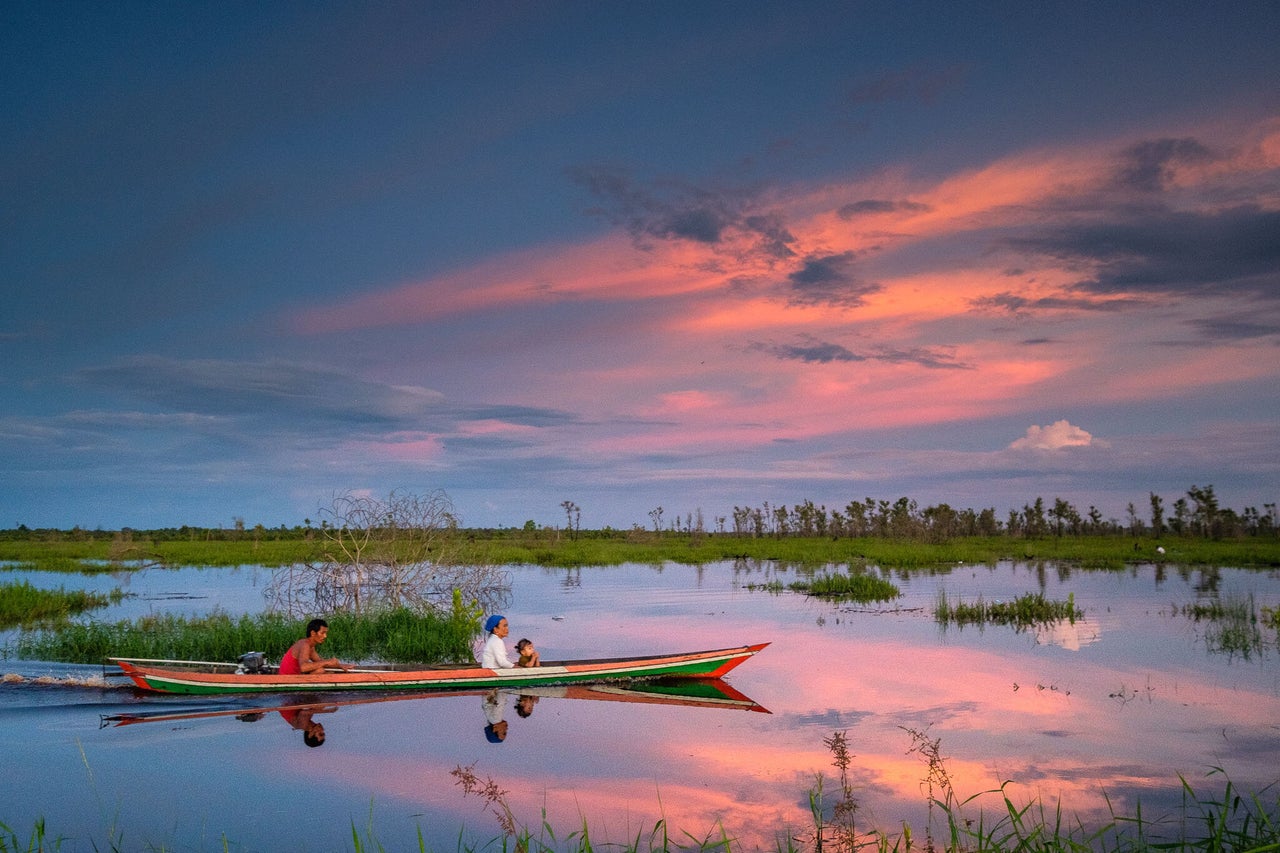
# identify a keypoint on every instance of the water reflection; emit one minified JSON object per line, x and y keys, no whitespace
{"x":300,"y":714}
{"x":1100,"y":721}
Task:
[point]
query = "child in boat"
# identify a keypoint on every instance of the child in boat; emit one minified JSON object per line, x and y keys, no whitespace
{"x":528,"y":654}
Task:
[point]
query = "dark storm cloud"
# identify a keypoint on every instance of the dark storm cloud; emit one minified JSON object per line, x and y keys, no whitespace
{"x":872,"y":205}
{"x":817,"y":353}
{"x":1231,"y":251}
{"x":677,"y":211}
{"x":286,"y":396}
{"x":271,"y":390}
{"x":1015,"y":304}
{"x":1149,"y":165}
{"x":813,"y":351}
{"x":1234,"y":329}
{"x":519,"y":415}
{"x":829,"y":279}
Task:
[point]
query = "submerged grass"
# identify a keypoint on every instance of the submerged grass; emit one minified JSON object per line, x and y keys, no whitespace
{"x":849,"y":587}
{"x":21,"y":604}
{"x":1025,"y":611}
{"x":1235,"y":625}
{"x":396,"y":636}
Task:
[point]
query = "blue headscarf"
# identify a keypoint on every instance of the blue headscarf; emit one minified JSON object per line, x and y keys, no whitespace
{"x":492,"y":622}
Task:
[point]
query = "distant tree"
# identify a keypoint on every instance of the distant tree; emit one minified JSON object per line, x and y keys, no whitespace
{"x":1181,"y":515}
{"x":574,"y":516}
{"x":1157,"y":515}
{"x":1061,"y":514}
{"x":1205,"y":514}
{"x":1135,"y":523}
{"x":988,"y":525}
{"x":655,"y":515}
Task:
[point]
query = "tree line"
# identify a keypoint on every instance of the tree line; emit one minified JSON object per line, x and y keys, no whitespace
{"x":1196,"y":514}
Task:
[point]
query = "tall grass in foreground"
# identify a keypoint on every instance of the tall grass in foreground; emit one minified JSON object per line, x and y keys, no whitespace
{"x":398,"y":636}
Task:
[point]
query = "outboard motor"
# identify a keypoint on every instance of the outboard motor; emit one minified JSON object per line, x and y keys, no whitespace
{"x":252,"y":663}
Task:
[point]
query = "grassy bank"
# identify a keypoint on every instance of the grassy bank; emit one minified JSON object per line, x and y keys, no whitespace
{"x":607,"y":548}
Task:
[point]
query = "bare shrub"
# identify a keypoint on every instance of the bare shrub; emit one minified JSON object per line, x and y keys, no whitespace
{"x":395,"y":552}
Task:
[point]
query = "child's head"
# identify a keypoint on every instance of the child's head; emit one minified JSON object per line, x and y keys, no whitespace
{"x":524,"y":645}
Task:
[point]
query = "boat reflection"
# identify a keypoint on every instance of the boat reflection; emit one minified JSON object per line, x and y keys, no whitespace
{"x":300,"y":711}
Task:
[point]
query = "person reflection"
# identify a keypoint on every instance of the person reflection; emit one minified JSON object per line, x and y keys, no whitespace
{"x":495,"y":729}
{"x":524,"y":705}
{"x":301,"y":718}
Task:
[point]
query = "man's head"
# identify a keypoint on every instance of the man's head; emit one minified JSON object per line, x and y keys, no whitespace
{"x":314,"y":626}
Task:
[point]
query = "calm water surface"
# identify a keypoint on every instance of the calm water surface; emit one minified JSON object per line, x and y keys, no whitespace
{"x":1114,"y":707}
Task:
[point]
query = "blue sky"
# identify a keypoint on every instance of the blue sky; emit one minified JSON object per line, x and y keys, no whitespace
{"x":689,"y":255}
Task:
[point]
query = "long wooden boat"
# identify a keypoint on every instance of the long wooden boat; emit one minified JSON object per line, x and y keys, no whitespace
{"x":692,"y":693}
{"x":202,"y":677}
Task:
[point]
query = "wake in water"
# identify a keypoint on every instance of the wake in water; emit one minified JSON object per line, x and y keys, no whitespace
{"x":85,"y":680}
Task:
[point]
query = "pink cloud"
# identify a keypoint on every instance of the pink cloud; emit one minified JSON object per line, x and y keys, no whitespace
{"x":723,"y":350}
{"x":1056,"y":436}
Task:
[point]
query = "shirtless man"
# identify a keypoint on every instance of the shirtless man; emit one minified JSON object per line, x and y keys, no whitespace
{"x":302,"y":656}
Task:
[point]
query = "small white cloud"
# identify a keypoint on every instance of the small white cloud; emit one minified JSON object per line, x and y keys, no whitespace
{"x":1056,"y":436}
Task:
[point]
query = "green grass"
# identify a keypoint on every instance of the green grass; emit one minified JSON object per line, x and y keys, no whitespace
{"x":395,"y":636}
{"x":608,"y":548}
{"x":21,"y":604}
{"x":849,"y":587}
{"x":1235,"y":625}
{"x":1025,"y":611}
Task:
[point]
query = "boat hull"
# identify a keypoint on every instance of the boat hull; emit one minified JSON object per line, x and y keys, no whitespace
{"x":210,"y":679}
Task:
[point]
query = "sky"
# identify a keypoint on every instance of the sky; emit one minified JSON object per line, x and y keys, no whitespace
{"x":680,"y":255}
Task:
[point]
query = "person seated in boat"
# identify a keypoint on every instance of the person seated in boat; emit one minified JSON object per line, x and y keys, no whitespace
{"x":494,"y":655}
{"x":302,"y":656}
{"x":528,"y":654}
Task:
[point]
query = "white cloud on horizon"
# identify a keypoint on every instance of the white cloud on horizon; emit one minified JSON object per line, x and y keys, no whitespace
{"x":1058,"y":435}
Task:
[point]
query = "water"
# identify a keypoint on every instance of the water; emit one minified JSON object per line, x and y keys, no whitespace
{"x":1112,"y":708}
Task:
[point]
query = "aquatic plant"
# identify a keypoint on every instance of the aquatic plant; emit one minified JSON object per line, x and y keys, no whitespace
{"x":21,"y":604}
{"x":849,"y":587}
{"x":1233,"y":625}
{"x":1025,"y":611}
